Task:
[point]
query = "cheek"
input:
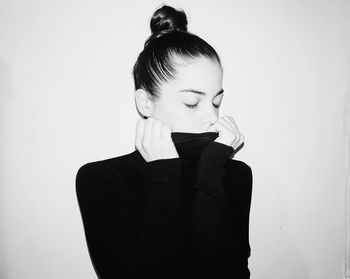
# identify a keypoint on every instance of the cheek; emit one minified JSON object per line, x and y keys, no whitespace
{"x":177,"y":116}
{"x":168,"y":114}
{"x":166,"y":110}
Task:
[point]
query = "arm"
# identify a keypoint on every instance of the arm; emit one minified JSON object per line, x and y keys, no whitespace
{"x":237,"y":247}
{"x":221,"y":215}
{"x":104,"y":205}
{"x":159,"y":237}
{"x":101,"y":212}
{"x":209,"y":202}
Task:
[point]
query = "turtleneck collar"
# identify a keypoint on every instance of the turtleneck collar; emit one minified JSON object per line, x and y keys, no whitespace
{"x":190,"y":145}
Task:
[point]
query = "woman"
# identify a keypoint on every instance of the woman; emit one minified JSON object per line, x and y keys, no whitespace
{"x":177,"y":205}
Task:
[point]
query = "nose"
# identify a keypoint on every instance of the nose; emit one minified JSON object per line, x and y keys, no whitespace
{"x":210,"y":117}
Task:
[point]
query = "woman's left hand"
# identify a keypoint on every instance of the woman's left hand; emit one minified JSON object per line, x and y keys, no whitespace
{"x":228,"y":132}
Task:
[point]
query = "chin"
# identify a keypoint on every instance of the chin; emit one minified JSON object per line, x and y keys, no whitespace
{"x":190,"y":131}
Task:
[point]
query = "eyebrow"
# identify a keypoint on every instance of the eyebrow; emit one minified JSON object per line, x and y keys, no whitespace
{"x":200,"y":92}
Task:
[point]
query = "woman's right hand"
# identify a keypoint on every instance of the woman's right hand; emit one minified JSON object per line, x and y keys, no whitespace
{"x":153,"y":140}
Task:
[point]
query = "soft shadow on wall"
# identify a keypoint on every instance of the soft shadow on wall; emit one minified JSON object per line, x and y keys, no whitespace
{"x":5,"y":93}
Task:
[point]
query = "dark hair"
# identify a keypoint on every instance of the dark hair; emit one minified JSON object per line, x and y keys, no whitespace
{"x":170,"y":39}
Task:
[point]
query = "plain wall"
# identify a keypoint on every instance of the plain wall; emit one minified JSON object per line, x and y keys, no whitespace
{"x":66,"y":98}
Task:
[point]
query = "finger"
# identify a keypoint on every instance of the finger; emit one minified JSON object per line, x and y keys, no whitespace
{"x":157,"y":131}
{"x":166,"y":131}
{"x":147,"y":138}
{"x":229,"y":123}
{"x":224,"y":124}
{"x":233,"y":122}
{"x":236,"y":135}
{"x":241,"y":137}
{"x":139,"y":132}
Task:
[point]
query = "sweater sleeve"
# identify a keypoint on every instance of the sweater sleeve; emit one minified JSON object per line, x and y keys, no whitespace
{"x":103,"y":201}
{"x":209,"y":202}
{"x":161,"y":223}
{"x":237,"y":247}
{"x":221,"y":214}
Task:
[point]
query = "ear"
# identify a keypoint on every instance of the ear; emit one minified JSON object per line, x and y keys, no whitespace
{"x":143,"y":103}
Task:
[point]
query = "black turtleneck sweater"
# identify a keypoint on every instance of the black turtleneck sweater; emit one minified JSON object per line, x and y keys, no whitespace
{"x":168,"y":217}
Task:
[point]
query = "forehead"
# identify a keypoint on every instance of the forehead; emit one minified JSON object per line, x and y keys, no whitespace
{"x":201,"y":73}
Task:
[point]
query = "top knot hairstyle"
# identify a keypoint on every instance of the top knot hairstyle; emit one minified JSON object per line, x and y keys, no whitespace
{"x":169,"y":40}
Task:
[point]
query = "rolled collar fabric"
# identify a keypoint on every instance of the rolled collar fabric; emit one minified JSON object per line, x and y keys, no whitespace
{"x":190,"y":145}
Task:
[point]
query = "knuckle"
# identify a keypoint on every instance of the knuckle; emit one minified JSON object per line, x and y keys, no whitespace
{"x":138,"y":145}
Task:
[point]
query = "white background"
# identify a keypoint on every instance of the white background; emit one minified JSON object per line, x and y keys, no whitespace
{"x":66,"y":98}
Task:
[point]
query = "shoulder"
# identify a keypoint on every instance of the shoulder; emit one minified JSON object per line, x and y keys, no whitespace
{"x":100,"y":166}
{"x":237,"y":167}
{"x":239,"y":180}
{"x":109,"y":171}
{"x":239,"y":173}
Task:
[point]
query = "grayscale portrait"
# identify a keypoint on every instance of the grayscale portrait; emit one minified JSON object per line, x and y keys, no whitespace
{"x":175,"y":139}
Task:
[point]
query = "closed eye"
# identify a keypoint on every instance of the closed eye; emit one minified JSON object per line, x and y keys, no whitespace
{"x":191,"y":106}
{"x":195,"y":105}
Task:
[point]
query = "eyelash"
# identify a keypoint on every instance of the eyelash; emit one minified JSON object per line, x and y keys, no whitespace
{"x":194,"y":106}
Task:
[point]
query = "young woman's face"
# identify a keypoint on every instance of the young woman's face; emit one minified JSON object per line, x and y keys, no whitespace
{"x":181,"y":107}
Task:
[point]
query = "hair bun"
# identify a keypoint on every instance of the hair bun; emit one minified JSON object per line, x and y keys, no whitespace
{"x":167,"y":18}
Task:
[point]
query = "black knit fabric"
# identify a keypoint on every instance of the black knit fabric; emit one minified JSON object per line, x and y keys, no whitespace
{"x":186,"y":216}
